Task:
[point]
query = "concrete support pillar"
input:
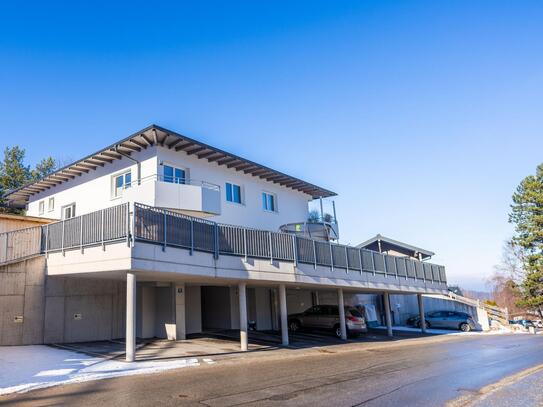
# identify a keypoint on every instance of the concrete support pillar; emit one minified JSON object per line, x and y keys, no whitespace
{"x":180,"y":325}
{"x":341,"y":307}
{"x":130,"y":317}
{"x":284,"y":313}
{"x":242,"y":288}
{"x":421,"y":313}
{"x":386,"y":297}
{"x":234,"y":307}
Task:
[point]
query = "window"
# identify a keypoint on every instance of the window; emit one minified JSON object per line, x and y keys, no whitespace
{"x":330,"y":310}
{"x":233,"y":193}
{"x":315,"y":310}
{"x":175,"y":175}
{"x":51,"y":205}
{"x":121,"y":182}
{"x":41,"y":207}
{"x":355,"y":313}
{"x":68,"y":211}
{"x":269,"y":202}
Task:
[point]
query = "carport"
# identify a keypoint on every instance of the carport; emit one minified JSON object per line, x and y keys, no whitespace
{"x":176,"y":310}
{"x":198,"y":308}
{"x":299,"y":299}
{"x":156,"y":305}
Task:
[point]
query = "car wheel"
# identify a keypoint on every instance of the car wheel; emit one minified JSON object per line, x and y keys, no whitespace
{"x":419,"y":325}
{"x":294,"y":326}
{"x":337,"y":331}
{"x":464,"y":327}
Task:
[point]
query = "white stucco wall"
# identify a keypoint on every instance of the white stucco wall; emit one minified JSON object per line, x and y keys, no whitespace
{"x":291,"y":205}
{"x":93,"y":191}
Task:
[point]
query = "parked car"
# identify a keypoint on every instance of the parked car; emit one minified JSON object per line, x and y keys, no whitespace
{"x":445,"y":319}
{"x":538,"y":323}
{"x":525,"y":323}
{"x":412,"y":320}
{"x":326,"y":317}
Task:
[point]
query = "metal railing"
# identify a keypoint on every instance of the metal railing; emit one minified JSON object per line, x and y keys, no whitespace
{"x":92,"y":229}
{"x":494,"y":312}
{"x":172,"y":229}
{"x":167,"y":228}
{"x":173,"y":180}
{"x":20,"y":244}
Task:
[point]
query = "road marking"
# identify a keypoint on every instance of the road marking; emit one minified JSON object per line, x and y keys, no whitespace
{"x":470,"y":399}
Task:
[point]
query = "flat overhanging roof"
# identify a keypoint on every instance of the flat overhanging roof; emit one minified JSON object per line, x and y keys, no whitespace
{"x":395,"y":243}
{"x":156,"y":135}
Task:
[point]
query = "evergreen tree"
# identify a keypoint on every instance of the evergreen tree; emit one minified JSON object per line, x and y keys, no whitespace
{"x":13,"y":172}
{"x":44,"y":168}
{"x":527,"y":216}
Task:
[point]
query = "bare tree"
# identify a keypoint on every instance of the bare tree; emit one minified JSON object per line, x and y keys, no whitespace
{"x":511,"y":262}
{"x":507,"y":277}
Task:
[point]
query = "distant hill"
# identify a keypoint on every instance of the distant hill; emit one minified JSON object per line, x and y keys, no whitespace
{"x":477,"y":295}
{"x":473,"y":294}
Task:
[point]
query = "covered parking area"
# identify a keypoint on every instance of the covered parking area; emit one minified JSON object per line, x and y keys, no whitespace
{"x":196,"y":307}
{"x":139,"y":307}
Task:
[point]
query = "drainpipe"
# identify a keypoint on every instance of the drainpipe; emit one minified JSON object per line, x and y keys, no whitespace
{"x":138,"y":164}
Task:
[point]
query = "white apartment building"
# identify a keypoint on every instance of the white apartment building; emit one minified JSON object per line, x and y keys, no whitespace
{"x":160,"y":235}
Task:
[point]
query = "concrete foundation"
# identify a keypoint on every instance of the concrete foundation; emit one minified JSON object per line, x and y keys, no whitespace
{"x":35,"y":309}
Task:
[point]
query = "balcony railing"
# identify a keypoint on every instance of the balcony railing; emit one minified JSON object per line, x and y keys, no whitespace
{"x":20,"y":244}
{"x":173,"y":180}
{"x":168,"y":228}
{"x":92,"y":229}
{"x":171,"y":229}
{"x":175,"y":193}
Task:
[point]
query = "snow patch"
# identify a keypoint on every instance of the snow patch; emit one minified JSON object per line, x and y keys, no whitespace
{"x":25,"y":368}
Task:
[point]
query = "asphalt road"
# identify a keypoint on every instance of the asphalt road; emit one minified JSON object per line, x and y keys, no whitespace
{"x":423,"y":372}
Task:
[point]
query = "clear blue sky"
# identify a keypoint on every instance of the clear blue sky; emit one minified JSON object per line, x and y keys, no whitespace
{"x":423,"y":116}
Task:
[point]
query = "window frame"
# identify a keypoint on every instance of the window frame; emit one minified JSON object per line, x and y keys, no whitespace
{"x":41,"y":207}
{"x":174,"y":178}
{"x":63,"y":211}
{"x":51,"y":204}
{"x":114,"y":187}
{"x":264,"y":202}
{"x":232,"y":186}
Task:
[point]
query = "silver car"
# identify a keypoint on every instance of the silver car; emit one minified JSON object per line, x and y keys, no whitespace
{"x":448,"y":319}
{"x":326,"y":317}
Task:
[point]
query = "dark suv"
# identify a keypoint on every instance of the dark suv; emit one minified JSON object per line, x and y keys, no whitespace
{"x":326,"y":317}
